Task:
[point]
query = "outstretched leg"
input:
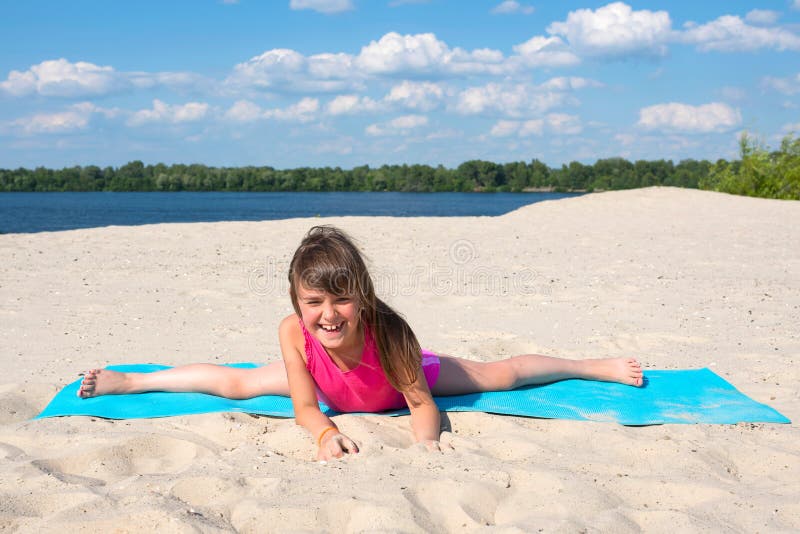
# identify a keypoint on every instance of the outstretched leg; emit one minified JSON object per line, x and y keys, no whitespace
{"x":458,"y":376}
{"x":230,"y":382}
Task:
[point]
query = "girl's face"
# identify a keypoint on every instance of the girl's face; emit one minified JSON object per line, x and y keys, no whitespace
{"x":332,"y":319}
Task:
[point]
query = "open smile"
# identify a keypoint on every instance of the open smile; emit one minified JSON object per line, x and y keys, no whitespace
{"x":332,"y":329}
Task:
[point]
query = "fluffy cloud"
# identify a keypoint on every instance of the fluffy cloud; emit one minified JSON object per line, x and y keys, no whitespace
{"x":518,"y":100}
{"x":393,"y":55}
{"x":77,"y":117}
{"x":568,"y":83}
{"x":762,"y":16}
{"x":282,"y":69}
{"x":352,"y":104}
{"x":556,"y":123}
{"x":322,"y":6}
{"x":424,"y":53}
{"x":397,"y":126}
{"x":244,"y":111}
{"x":423,"y":96}
{"x":731,"y":34}
{"x":505,"y":128}
{"x":542,"y":51}
{"x":714,"y":117}
{"x":615,"y":30}
{"x":175,"y":114}
{"x":61,"y":122}
{"x":787,"y":86}
{"x":59,"y":77}
{"x":305,"y":110}
{"x":62,"y":78}
{"x":510,"y":7}
{"x":564,"y":124}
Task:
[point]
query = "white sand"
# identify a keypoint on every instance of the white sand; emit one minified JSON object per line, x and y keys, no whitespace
{"x":677,"y":278}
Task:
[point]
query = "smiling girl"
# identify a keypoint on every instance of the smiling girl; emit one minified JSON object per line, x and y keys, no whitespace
{"x":347,"y":348}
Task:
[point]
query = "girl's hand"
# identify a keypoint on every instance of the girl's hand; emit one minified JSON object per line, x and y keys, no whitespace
{"x":335,"y":445}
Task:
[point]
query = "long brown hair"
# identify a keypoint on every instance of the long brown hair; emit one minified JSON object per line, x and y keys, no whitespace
{"x":327,"y":260}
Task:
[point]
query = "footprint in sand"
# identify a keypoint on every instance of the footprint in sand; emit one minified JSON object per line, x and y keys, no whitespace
{"x":142,"y":455}
{"x":469,"y":504}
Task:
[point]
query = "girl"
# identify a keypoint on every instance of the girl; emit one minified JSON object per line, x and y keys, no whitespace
{"x":346,"y":347}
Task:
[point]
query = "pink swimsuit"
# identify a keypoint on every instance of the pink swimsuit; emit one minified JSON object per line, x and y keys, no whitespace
{"x":365,"y":388}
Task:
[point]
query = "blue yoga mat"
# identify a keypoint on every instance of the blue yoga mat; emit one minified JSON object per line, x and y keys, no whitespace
{"x":687,"y":396}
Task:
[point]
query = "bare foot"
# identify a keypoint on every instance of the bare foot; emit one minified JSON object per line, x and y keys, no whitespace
{"x":622,"y":370}
{"x":102,"y":382}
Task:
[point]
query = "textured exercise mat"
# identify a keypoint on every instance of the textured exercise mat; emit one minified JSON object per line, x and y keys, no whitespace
{"x":686,"y":396}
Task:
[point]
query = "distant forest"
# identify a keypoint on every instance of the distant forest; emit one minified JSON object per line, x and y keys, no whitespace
{"x":759,"y":172}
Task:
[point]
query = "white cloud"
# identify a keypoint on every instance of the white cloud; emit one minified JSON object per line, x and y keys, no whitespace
{"x":555,"y":123}
{"x":510,"y":100}
{"x":397,"y":126}
{"x":796,"y":4}
{"x":423,"y":96}
{"x":59,"y":77}
{"x":567,"y":83}
{"x":731,"y":34}
{"x":564,"y":124}
{"x":615,"y":30}
{"x":303,"y":111}
{"x":282,"y":69}
{"x":62,"y":78}
{"x":762,"y":16}
{"x":244,"y":111}
{"x":714,"y":117}
{"x":791,"y":128}
{"x":352,"y":104}
{"x":162,"y":112}
{"x":77,"y":117}
{"x":542,"y":51}
{"x":787,"y":86}
{"x":393,"y":55}
{"x":322,"y":6}
{"x":510,"y":7}
{"x":61,"y":122}
{"x":424,"y":53}
{"x":506,"y":128}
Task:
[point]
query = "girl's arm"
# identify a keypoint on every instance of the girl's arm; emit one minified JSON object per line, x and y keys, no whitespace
{"x":425,"y":417}
{"x":331,"y":442}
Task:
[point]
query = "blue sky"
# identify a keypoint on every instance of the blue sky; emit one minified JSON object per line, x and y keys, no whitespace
{"x":292,"y":83}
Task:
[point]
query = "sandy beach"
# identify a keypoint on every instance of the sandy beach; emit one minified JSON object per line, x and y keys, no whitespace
{"x":677,"y":278}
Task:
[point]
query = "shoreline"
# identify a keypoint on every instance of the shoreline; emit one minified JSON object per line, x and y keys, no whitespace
{"x":679,"y":278}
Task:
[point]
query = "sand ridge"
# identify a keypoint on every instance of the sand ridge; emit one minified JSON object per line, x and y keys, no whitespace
{"x":677,"y":278}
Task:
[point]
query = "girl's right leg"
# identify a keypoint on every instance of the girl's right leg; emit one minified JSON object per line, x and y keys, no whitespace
{"x":220,"y":380}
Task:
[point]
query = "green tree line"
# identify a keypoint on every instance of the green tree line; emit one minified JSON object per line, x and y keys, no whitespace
{"x":758,"y":172}
{"x":475,"y":175}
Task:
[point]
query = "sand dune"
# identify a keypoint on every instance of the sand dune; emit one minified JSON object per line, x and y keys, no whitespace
{"x":678,"y":278}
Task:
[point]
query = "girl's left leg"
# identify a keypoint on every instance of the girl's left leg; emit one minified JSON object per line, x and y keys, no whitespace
{"x":458,"y":376}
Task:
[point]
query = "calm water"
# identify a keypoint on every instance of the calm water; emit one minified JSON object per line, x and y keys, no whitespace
{"x":41,"y":212}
